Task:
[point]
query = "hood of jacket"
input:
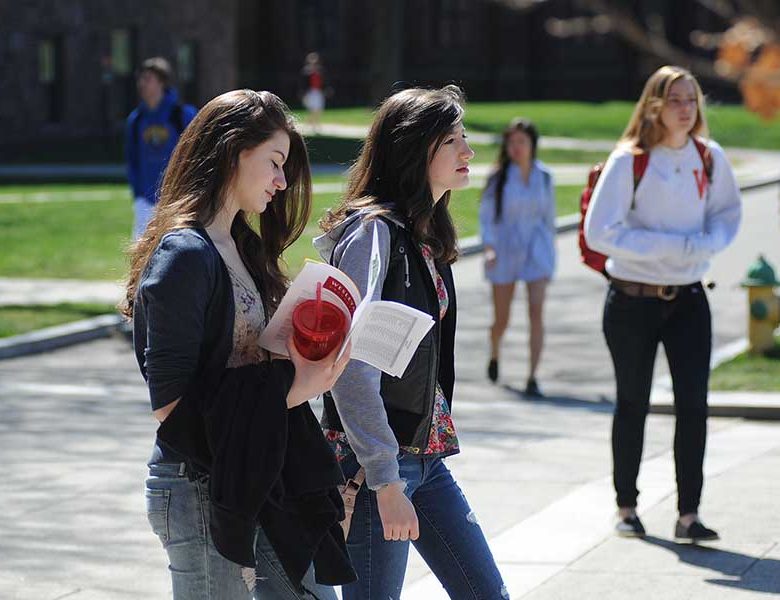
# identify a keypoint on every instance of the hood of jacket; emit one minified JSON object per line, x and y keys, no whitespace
{"x":325,"y":243}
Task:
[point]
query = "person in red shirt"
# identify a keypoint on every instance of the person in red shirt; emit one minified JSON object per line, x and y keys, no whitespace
{"x":314,"y":97}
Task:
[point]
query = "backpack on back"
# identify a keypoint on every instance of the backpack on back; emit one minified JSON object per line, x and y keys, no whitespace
{"x":596,"y":260}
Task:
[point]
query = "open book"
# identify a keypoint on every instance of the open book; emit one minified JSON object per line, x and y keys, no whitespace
{"x":384,"y":334}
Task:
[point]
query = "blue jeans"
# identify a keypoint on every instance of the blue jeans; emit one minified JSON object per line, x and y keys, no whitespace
{"x":178,"y":511}
{"x":451,"y":542}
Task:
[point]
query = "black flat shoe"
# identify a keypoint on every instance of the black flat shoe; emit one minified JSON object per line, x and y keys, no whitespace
{"x":630,"y":527}
{"x":696,"y":532}
{"x":532,"y":389}
{"x":492,"y":371}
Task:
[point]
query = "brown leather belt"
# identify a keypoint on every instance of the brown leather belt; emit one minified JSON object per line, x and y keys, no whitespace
{"x":648,"y":290}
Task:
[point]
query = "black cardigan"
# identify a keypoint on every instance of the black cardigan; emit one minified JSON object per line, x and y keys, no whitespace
{"x":234,"y":423}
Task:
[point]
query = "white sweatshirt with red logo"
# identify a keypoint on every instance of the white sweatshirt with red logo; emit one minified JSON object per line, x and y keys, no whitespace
{"x":678,"y":219}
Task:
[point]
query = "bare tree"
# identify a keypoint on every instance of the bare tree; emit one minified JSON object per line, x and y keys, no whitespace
{"x":746,"y":53}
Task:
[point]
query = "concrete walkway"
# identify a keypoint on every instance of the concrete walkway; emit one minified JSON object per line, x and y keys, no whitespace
{"x":20,"y":291}
{"x":75,"y":433}
{"x":563,"y":547}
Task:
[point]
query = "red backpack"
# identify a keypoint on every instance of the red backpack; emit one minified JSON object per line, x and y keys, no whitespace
{"x":596,"y":260}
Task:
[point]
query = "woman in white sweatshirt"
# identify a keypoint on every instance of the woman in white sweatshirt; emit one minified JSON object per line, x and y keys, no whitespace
{"x":665,"y":203}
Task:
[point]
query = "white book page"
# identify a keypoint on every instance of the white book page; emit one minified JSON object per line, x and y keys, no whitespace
{"x":386,"y":335}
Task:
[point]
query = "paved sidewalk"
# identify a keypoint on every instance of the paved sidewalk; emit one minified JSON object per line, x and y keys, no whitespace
{"x":75,"y":433}
{"x":549,"y":541}
{"x":19,"y":291}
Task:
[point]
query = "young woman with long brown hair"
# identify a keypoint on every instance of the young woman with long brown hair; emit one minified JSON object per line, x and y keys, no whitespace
{"x":517,"y":224}
{"x":400,"y":430}
{"x":660,"y":231}
{"x":204,"y":279}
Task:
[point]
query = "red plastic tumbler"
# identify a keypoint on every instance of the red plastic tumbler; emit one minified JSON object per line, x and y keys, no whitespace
{"x":318,"y":327}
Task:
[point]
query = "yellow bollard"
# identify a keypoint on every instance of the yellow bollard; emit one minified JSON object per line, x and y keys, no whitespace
{"x":764,"y":305}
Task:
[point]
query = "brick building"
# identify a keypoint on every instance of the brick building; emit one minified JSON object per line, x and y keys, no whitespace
{"x":67,"y":67}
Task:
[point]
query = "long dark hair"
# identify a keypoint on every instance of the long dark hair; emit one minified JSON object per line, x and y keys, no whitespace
{"x":390,"y":176}
{"x":202,"y":169}
{"x":499,"y":175}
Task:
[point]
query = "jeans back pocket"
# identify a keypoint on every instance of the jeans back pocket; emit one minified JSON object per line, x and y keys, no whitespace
{"x":157,"y":505}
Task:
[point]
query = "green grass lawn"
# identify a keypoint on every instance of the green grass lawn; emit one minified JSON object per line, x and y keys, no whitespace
{"x":326,"y":149}
{"x":68,"y":237}
{"x":15,"y":320}
{"x":747,"y":372}
{"x":730,"y":125}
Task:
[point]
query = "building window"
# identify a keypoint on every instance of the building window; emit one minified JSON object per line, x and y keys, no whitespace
{"x":319,"y":25}
{"x":121,"y":52}
{"x":187,"y":71}
{"x":50,"y":76}
{"x":451,"y":23}
{"x":123,"y":65}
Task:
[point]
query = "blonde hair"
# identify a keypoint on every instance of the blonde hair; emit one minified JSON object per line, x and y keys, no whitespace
{"x":645,"y":128}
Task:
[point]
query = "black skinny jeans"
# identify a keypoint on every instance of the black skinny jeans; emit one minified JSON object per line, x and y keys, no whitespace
{"x":633,"y":327}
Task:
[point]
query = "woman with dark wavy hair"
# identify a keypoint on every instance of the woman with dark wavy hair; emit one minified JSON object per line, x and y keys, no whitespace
{"x":204,"y":279}
{"x":394,"y":433}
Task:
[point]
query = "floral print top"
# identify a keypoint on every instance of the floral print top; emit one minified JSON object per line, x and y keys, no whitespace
{"x":250,"y":320}
{"x":442,"y":439}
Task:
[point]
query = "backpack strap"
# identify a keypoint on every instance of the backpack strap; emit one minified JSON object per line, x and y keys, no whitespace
{"x":706,"y":156}
{"x":176,"y":118}
{"x":706,"y":160}
{"x":395,"y":239}
{"x":134,"y":134}
{"x":641,"y":160}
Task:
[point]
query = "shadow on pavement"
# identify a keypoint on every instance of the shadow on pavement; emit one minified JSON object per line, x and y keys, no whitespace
{"x":748,"y":572}
{"x":602,"y":405}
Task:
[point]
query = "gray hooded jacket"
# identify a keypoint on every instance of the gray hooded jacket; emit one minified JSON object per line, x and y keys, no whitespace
{"x":356,"y":393}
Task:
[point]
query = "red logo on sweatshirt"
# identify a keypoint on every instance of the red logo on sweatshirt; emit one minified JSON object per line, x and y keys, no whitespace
{"x":702,"y":181}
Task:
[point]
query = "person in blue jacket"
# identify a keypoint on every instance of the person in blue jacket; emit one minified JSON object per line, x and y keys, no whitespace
{"x":151,"y":134}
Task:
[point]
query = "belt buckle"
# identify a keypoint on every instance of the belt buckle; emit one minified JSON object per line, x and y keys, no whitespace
{"x":352,"y":486}
{"x":668,"y":292}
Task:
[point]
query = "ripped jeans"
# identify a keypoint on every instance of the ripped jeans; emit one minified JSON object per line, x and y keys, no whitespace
{"x":178,"y":511}
{"x":451,"y":541}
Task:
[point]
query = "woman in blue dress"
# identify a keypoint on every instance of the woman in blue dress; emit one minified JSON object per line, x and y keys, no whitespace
{"x":517,"y":222}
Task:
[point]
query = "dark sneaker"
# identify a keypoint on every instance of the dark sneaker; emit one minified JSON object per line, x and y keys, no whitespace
{"x":493,"y":370}
{"x":694,"y":533}
{"x":532,"y":389}
{"x":630,"y":527}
